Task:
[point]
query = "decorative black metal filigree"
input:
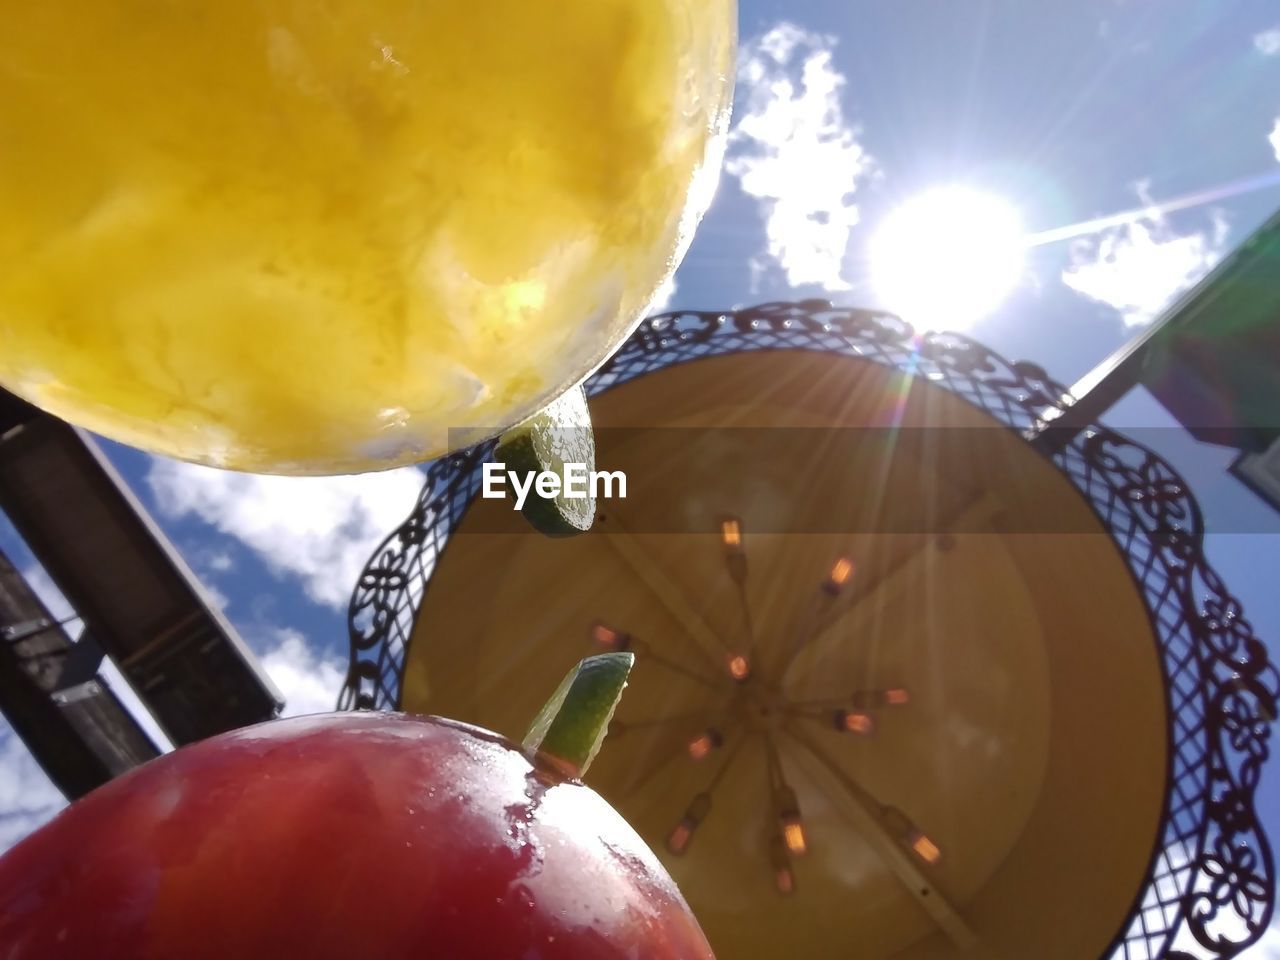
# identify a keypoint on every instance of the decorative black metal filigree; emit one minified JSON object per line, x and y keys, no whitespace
{"x":1210,"y":887}
{"x":391,"y":586}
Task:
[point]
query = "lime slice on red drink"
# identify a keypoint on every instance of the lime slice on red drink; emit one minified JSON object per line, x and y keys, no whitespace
{"x":570,"y":728}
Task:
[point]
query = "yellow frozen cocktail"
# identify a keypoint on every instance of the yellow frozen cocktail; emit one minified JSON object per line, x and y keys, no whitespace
{"x":313,"y":237}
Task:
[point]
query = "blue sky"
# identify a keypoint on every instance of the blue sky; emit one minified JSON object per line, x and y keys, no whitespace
{"x":847,"y":109}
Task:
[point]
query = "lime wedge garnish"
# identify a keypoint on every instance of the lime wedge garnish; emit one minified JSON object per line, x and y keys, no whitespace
{"x":558,"y":434}
{"x":568,"y":731}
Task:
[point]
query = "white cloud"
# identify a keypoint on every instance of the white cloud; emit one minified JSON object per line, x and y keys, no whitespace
{"x":794,"y":152}
{"x":1274,"y":139}
{"x":319,"y":530}
{"x":220,"y":561}
{"x":1268,"y":42}
{"x":27,"y":798}
{"x":309,"y":682}
{"x":1140,"y":267}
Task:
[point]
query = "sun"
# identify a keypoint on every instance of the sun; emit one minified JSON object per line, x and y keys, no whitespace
{"x":947,"y":257}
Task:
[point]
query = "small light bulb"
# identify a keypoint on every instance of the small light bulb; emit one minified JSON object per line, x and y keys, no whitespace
{"x":731,"y":533}
{"x":899,"y":824}
{"x":704,"y":743}
{"x":893,"y":697}
{"x":789,"y":815}
{"x":924,"y":848}
{"x":784,"y":877}
{"x":739,"y":667}
{"x":793,"y":835}
{"x":854,"y":721}
{"x":785,"y":881}
{"x":841,"y":572}
{"x":678,"y":839}
{"x":609,"y":638}
{"x":839,"y":577}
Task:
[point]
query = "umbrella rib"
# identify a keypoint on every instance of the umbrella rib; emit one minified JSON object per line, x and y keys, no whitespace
{"x":868,"y":814}
{"x":665,"y":592}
